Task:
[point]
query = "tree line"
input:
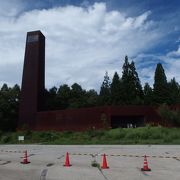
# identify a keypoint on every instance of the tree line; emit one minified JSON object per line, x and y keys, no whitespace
{"x":121,"y":90}
{"x":127,"y":89}
{"x":124,"y":90}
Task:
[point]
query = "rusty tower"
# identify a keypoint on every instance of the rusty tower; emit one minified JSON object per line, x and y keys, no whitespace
{"x":33,"y":80}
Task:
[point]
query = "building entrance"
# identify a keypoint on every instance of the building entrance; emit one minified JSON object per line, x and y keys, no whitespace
{"x":127,"y":121}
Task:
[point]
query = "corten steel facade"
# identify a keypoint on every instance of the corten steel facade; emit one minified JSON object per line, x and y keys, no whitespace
{"x":32,"y":88}
{"x":32,"y":96}
{"x":94,"y":118}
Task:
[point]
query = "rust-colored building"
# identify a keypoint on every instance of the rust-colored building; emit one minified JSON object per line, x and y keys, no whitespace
{"x":96,"y":118}
{"x":32,"y":93}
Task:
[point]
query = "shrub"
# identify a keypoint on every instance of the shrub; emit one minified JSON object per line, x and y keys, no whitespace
{"x":118,"y":133}
{"x":143,"y":133}
{"x":5,"y":139}
{"x":171,"y":116}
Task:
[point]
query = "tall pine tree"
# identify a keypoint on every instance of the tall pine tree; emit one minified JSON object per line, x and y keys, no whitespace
{"x":148,"y":94}
{"x":174,"y":92}
{"x":160,"y":85}
{"x":132,"y":88}
{"x":116,"y":90}
{"x":105,"y":91}
{"x":137,"y":83}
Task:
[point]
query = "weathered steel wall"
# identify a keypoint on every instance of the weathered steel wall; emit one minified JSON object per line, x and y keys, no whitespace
{"x":72,"y":119}
{"x":91,"y":118}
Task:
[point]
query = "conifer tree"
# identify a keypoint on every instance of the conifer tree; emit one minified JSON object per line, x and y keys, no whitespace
{"x":160,"y":85}
{"x":136,"y":80}
{"x":116,"y":90}
{"x":126,"y":81}
{"x":148,"y":94}
{"x":105,"y":92}
{"x":174,"y":92}
{"x":132,"y":88}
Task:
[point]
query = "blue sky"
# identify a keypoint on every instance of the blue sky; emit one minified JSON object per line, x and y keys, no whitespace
{"x":86,"y":38}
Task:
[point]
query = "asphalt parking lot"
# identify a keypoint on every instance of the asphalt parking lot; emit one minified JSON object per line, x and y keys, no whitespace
{"x":124,"y":161}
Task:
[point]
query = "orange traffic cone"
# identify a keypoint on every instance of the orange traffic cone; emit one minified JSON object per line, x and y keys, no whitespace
{"x":104,"y":163}
{"x":67,"y":163}
{"x":25,"y":158}
{"x":145,"y":167}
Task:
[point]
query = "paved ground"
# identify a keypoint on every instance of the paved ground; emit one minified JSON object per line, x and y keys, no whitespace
{"x":124,"y":162}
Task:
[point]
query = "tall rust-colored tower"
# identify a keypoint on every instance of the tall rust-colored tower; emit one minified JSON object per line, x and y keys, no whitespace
{"x":33,"y":80}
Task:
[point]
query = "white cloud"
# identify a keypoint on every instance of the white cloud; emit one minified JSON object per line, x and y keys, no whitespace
{"x":172,"y":59}
{"x":81,"y":43}
{"x":11,"y":8}
{"x":174,"y":53}
{"x":147,"y":64}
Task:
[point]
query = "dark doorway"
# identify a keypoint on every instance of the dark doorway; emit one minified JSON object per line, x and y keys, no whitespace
{"x":127,"y":121}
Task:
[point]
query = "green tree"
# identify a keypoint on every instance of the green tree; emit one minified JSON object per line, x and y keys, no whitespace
{"x":9,"y":104}
{"x":136,"y":80}
{"x":174,"y":92}
{"x":148,"y":94}
{"x":77,"y":96}
{"x":132,"y":89}
{"x":105,"y":91}
{"x":116,"y":90}
{"x":64,"y":96}
{"x":160,"y":85}
{"x":169,"y":116}
{"x":91,"y":98}
{"x":51,"y":99}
